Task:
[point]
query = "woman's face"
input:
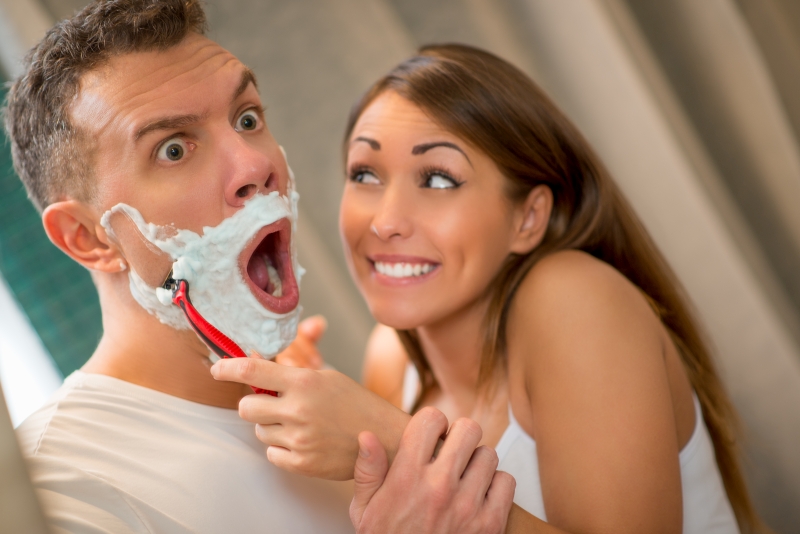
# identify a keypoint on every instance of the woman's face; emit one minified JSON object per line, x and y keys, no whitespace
{"x":424,"y":219}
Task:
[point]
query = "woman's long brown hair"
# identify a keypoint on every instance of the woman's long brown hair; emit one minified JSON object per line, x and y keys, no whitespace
{"x":498,"y":109}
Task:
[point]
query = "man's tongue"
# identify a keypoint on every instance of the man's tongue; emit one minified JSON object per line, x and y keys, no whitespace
{"x":264,"y":275}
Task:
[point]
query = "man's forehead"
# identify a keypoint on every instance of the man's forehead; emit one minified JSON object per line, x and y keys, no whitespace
{"x":142,"y":82}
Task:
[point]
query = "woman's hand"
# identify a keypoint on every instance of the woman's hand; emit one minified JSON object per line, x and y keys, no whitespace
{"x":312,"y":427}
{"x":303,"y":350}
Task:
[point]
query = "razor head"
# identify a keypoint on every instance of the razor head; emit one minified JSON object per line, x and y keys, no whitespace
{"x":170,"y":283}
{"x":219,"y":343}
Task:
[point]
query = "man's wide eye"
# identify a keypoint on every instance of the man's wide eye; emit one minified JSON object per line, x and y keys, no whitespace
{"x":172,"y":150}
{"x":247,"y":121}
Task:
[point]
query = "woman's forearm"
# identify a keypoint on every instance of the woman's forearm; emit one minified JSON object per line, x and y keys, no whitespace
{"x":521,"y":522}
{"x":389,"y":422}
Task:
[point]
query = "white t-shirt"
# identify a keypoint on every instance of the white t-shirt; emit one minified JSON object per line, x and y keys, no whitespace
{"x":109,"y":456}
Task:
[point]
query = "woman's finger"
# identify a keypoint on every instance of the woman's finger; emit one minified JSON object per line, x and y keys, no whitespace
{"x":279,"y":456}
{"x":288,"y":460}
{"x":313,"y":328}
{"x":253,"y":372}
{"x":272,"y":435}
{"x":261,"y":409}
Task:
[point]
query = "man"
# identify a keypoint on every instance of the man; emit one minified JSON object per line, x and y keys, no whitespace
{"x":128,"y":109}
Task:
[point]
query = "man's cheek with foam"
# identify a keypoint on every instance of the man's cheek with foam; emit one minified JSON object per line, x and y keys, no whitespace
{"x":243,"y":273}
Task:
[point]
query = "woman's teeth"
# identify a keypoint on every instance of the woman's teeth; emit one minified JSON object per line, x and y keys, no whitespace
{"x":403,"y":270}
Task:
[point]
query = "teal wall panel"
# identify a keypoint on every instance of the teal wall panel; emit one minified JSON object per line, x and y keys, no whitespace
{"x":57,"y":294}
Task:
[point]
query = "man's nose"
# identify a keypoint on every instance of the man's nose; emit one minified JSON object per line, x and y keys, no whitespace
{"x":251,"y":171}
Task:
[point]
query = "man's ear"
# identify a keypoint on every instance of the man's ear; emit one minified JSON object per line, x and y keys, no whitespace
{"x":531,"y":219}
{"x":72,"y":226}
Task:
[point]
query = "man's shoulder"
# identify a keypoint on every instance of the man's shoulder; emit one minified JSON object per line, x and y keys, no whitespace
{"x":33,"y":429}
{"x":76,"y":500}
{"x":70,"y":410}
{"x":81,"y":449}
{"x":118,"y":453}
{"x":91,"y":419}
{"x":75,"y":497}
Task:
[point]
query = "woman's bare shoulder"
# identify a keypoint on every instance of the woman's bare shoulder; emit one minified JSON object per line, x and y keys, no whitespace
{"x":574,"y":309}
{"x":588,"y":381}
{"x":571,"y":267}
{"x":570,"y":281}
{"x":587,"y":356}
{"x":385,"y":362}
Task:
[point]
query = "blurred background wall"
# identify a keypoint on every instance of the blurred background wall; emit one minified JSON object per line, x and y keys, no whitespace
{"x":694,"y":106}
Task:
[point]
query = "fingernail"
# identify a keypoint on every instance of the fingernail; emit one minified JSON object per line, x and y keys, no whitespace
{"x":363,"y":451}
{"x":214,"y":370}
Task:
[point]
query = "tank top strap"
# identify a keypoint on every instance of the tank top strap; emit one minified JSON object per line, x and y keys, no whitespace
{"x":410,"y":387}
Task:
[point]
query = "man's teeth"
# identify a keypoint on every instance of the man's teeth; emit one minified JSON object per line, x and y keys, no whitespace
{"x":274,"y":278}
{"x":403,"y":270}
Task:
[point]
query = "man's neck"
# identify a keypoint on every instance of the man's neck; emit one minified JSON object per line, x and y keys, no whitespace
{"x":137,"y":348}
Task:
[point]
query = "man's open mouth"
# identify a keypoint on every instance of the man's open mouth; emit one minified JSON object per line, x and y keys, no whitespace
{"x":266,"y":265}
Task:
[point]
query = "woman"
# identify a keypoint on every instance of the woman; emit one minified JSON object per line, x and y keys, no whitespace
{"x":482,"y":228}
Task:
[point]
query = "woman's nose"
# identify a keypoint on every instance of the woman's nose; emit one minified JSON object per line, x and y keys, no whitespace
{"x":252,"y":171}
{"x":393,"y":217}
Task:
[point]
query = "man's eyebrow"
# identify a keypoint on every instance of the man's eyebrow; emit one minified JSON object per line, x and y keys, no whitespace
{"x":168,"y":123}
{"x":180,"y":121}
{"x":247,"y":78}
{"x":421,"y":149}
{"x":371,"y":142}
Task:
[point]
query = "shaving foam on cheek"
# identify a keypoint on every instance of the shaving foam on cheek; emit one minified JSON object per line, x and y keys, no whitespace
{"x":210,"y":263}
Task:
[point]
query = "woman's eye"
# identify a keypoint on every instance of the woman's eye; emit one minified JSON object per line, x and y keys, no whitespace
{"x":172,"y":150}
{"x":440,"y":181}
{"x":247,"y":121}
{"x":365,"y":177}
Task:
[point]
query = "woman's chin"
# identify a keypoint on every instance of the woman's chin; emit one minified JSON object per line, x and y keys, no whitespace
{"x":397,"y":319}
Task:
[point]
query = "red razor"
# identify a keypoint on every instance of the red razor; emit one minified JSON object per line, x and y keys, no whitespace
{"x":218,"y":342}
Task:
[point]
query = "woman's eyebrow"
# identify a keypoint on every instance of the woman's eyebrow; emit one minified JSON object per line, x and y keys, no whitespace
{"x":421,"y":149}
{"x":371,"y":142}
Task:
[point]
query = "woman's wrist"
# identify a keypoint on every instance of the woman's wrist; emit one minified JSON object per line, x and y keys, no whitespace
{"x":393,"y":424}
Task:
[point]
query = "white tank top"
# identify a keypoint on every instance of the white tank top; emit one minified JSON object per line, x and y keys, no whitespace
{"x":705,"y":504}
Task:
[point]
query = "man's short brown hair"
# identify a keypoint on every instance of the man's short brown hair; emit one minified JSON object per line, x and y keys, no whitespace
{"x":51,"y":155}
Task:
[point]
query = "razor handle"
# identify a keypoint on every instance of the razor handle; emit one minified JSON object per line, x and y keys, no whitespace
{"x":222,"y":345}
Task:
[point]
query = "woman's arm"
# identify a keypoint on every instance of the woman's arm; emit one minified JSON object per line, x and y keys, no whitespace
{"x":312,"y":427}
{"x":596,"y":398}
{"x":385,"y":363}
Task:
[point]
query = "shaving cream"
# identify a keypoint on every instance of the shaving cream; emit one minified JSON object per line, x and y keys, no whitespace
{"x":210,"y":264}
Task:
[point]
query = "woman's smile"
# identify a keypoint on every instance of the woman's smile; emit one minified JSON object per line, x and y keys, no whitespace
{"x":394,"y":269}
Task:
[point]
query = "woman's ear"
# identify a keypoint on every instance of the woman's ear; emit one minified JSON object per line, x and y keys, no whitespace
{"x":72,"y":226}
{"x":531,"y":219}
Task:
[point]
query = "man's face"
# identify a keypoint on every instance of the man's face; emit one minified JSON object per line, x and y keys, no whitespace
{"x":180,"y":135}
